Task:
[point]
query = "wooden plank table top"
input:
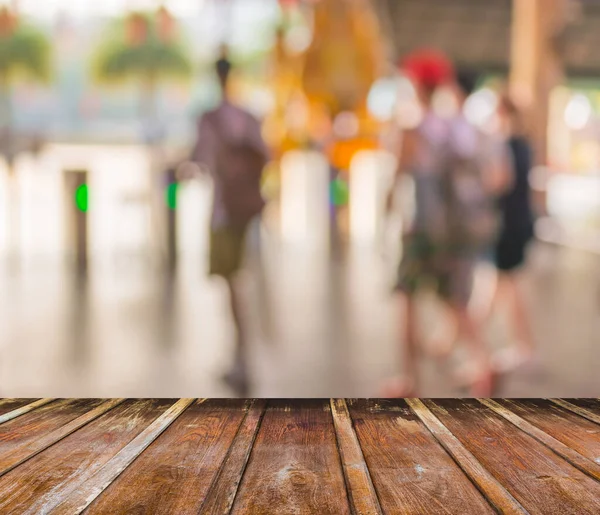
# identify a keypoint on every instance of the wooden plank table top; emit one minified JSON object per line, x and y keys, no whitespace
{"x":311,"y":456}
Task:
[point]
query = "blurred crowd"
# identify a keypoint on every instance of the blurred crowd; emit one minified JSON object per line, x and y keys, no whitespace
{"x":471,"y":198}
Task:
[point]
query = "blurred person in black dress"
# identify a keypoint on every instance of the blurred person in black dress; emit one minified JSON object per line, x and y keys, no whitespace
{"x":515,"y":236}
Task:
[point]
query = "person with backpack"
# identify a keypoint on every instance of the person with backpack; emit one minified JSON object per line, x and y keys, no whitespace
{"x":479,"y":168}
{"x":231,"y":147}
{"x":453,"y":223}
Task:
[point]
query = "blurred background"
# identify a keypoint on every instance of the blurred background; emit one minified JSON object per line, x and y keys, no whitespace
{"x":103,"y":255}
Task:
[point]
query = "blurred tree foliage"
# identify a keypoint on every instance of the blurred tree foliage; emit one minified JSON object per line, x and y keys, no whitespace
{"x":146,"y":48}
{"x":25,"y":54}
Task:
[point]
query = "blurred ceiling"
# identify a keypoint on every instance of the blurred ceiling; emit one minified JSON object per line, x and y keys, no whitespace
{"x":477,"y":32}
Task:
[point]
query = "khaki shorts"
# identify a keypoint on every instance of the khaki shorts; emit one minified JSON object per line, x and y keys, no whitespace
{"x":227,"y":245}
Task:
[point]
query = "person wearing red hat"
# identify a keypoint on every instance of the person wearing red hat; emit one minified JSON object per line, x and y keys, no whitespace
{"x":429,"y":253}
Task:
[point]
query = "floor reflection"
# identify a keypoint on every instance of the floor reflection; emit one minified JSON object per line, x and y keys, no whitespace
{"x":322,"y":323}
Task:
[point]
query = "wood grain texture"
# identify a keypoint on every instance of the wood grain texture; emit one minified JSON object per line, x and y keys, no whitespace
{"x":573,"y":457}
{"x":7,"y":405}
{"x":294,"y":466}
{"x":579,"y":410}
{"x":86,"y":493}
{"x":539,"y":479}
{"x":361,"y":492}
{"x":301,"y":457}
{"x":592,"y":405}
{"x":45,"y":480}
{"x":17,"y":412}
{"x":412,"y":473}
{"x":219,"y":499}
{"x":574,"y":431}
{"x":496,"y":494}
{"x":27,"y":428}
{"x":27,"y":450}
{"x":185,"y":458}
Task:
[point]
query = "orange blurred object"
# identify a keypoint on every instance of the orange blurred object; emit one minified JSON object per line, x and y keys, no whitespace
{"x":166,"y":24}
{"x":137,"y":29}
{"x":8,"y":22}
{"x":341,"y":152}
{"x":346,"y":55}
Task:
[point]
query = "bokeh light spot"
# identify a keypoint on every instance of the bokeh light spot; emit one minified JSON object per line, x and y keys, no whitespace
{"x":81,"y":198}
{"x":171,"y":195}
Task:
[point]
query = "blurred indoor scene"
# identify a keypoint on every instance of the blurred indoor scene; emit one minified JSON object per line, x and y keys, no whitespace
{"x":119,"y":277}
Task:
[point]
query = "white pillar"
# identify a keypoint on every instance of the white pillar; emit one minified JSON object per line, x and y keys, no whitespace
{"x":371,"y":174}
{"x":305,"y":199}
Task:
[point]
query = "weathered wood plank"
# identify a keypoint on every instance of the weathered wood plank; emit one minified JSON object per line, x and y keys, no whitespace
{"x":27,"y":428}
{"x":592,"y":405}
{"x":45,"y":480}
{"x":7,"y":405}
{"x":361,"y":492}
{"x":539,"y":479}
{"x":309,"y":456}
{"x":294,"y":466}
{"x":223,"y":490}
{"x":26,"y":451}
{"x":581,"y":411}
{"x":23,"y":409}
{"x":185,"y":458}
{"x":573,"y":457}
{"x":574,"y":431}
{"x":85,"y":494}
{"x":412,"y":473}
{"x":496,"y":494}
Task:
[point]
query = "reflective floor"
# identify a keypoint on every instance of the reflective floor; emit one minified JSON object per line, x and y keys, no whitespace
{"x":319,"y":328}
{"x":322,"y":324}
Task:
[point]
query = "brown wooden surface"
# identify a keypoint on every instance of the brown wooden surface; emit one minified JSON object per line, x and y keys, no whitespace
{"x":27,"y":450}
{"x":539,"y":479}
{"x":588,"y":467}
{"x":411,"y":471}
{"x":24,"y":429}
{"x":590,"y":405}
{"x":336,"y":456}
{"x":585,"y":412}
{"x":23,"y":409}
{"x":294,"y":464}
{"x":361,"y":491}
{"x":44,"y":481}
{"x":574,"y":431}
{"x":87,"y":492}
{"x":199,"y":440}
{"x":221,"y":495}
{"x":7,"y":405}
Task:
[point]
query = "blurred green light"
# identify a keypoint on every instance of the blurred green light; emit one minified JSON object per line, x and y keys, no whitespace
{"x":339,"y":193}
{"x":81,"y":198}
{"x":172,"y":196}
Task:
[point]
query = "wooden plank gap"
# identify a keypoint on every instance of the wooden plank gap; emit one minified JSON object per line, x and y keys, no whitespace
{"x":83,"y":496}
{"x":29,"y":450}
{"x":359,"y":485}
{"x":500,"y":498}
{"x":582,"y":412}
{"x":573,"y":457}
{"x":223,"y":490}
{"x":23,"y":409}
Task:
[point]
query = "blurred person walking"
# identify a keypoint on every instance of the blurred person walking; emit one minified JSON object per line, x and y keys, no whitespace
{"x":514,"y":239}
{"x":231,"y":147}
{"x":492,"y":157}
{"x":448,"y":162}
